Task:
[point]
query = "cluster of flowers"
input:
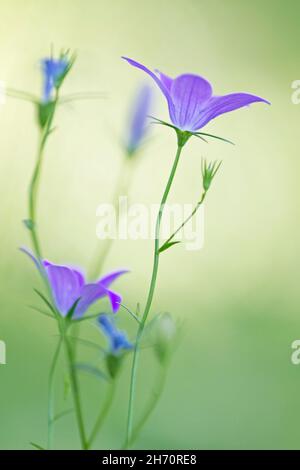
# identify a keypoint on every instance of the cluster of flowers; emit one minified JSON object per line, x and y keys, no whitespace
{"x":191,"y":106}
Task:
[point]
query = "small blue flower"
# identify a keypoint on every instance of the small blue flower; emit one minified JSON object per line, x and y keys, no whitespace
{"x":53,"y":72}
{"x":118,"y":341}
{"x":139,"y":112}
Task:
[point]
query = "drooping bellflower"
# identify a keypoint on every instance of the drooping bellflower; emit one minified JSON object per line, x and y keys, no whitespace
{"x":139,"y":113}
{"x":68,"y":286}
{"x":191,"y":101}
{"x":118,"y":341}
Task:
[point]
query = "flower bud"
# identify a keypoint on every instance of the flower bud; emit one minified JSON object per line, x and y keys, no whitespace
{"x":164,"y":333}
{"x":113,"y":364}
{"x":208,"y":173}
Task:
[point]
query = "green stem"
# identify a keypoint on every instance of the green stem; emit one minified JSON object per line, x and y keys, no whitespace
{"x":75,"y":391}
{"x":122,"y":187}
{"x":149,"y":298}
{"x":151,"y":405}
{"x":51,"y":416}
{"x":34,"y":185}
{"x":187,"y":219}
{"x":103,"y":413}
{"x":33,"y":193}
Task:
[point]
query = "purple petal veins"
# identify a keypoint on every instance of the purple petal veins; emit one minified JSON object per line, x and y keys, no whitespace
{"x":159,"y":82}
{"x":190,"y":99}
{"x":66,"y":285}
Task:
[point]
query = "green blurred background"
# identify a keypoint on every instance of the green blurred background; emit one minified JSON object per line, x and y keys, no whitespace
{"x":231,"y":383}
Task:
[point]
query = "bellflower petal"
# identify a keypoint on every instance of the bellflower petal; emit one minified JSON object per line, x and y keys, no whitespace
{"x":189,"y":93}
{"x":218,"y":105}
{"x":117,"y":339}
{"x":106,"y":280}
{"x":33,"y":258}
{"x":166,"y":80}
{"x":66,"y":285}
{"x":115,"y":300}
{"x":160,"y":83}
{"x":90,"y":293}
{"x":190,"y":100}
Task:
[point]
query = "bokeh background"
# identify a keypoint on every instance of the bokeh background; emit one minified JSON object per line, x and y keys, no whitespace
{"x":231,"y":383}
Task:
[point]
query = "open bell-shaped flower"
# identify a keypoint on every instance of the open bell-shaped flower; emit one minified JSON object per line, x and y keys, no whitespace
{"x":68,"y":286}
{"x":190,"y":99}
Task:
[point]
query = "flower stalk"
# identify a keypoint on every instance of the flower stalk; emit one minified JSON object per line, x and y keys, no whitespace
{"x":51,"y":415}
{"x":31,"y":223}
{"x":103,"y":413}
{"x":182,"y":139}
{"x":76,"y":393}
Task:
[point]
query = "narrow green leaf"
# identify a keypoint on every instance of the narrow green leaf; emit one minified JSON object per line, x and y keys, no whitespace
{"x":36,"y":446}
{"x":29,"y":224}
{"x":130,"y":312}
{"x":62,"y":414}
{"x":67,"y":386}
{"x":72,"y":310}
{"x":166,"y":246}
{"x":163,"y":123}
{"x":44,"y":299}
{"x":214,"y":137}
{"x":138,"y":309}
{"x":21,"y":95}
{"x":202,"y":138}
{"x":91,"y":370}
{"x":41,"y":311}
{"x":88,"y":343}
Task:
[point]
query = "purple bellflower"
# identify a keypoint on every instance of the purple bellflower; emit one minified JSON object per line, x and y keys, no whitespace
{"x":139,"y":113}
{"x":118,"y":341}
{"x":68,"y":286}
{"x":190,"y":99}
{"x":54,"y":71}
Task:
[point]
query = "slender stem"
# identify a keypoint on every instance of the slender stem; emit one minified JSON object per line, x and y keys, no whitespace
{"x":34,"y":185}
{"x":32,"y":200}
{"x":33,"y":192}
{"x":121,"y":188}
{"x":51,"y":416}
{"x":149,"y":299}
{"x":75,"y":391}
{"x":187,"y":219}
{"x":103,"y":413}
{"x":151,"y":405}
{"x":131,"y":313}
